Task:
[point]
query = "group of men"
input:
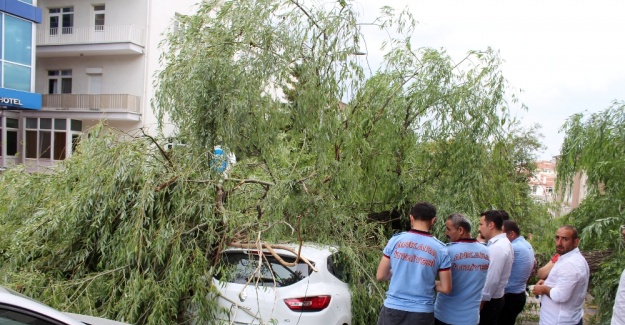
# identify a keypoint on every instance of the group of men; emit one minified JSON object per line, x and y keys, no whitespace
{"x":469,"y":282}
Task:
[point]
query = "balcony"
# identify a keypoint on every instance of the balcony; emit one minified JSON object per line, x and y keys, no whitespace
{"x":90,"y":40}
{"x":90,"y":106}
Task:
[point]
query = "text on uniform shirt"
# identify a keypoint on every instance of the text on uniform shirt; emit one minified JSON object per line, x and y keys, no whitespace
{"x":472,"y":267}
{"x":471,"y":255}
{"x":417,"y":246}
{"x":413,"y":258}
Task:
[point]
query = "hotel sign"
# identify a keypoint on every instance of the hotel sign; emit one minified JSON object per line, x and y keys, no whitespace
{"x":19,"y":100}
{"x":10,"y":101}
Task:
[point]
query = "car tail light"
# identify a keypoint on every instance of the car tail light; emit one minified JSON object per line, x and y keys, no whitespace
{"x":316,"y":303}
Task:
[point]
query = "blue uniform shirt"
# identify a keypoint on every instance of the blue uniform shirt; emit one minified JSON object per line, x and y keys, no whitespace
{"x":469,"y":267}
{"x":416,"y":257}
{"x":521,"y":267}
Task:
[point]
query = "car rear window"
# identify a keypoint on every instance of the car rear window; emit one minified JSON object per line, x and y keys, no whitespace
{"x":337,"y":266}
{"x":241,"y":267}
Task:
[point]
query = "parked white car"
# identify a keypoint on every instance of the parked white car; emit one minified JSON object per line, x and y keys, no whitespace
{"x":16,"y":309}
{"x":262,"y":290}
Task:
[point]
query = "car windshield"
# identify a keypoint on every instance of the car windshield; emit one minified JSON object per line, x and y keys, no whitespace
{"x":241,"y":267}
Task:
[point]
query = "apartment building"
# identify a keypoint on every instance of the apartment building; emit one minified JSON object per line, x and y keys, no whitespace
{"x":96,"y":61}
{"x":542,"y":187}
{"x":17,"y":71}
{"x":542,"y":183}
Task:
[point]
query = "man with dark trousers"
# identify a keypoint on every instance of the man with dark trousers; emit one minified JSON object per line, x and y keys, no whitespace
{"x":524,"y":262}
{"x":411,"y":261}
{"x":469,"y":267}
{"x":501,"y":258}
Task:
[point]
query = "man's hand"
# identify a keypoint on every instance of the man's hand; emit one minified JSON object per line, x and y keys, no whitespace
{"x":541,"y":289}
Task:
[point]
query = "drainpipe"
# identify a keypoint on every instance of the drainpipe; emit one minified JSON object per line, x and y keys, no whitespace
{"x":146,"y":57}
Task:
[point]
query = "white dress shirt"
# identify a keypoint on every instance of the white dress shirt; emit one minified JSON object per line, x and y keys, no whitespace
{"x":501,"y":258}
{"x":618,"y":312}
{"x":568,"y":281}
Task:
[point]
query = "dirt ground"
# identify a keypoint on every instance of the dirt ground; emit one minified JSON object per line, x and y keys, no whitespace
{"x":530,"y":314}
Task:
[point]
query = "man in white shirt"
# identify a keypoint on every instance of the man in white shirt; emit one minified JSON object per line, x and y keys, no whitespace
{"x":564,"y":290}
{"x":501,"y":258}
{"x":618,"y":311}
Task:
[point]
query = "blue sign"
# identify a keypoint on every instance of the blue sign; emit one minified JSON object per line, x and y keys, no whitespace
{"x":222,"y":161}
{"x":21,"y":9}
{"x":15,"y":99}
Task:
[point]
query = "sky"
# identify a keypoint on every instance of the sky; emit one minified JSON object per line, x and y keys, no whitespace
{"x":566,"y":57}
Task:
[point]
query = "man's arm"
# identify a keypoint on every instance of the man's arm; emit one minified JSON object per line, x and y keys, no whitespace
{"x":543,"y":272}
{"x":384,"y":269}
{"x":444,"y":285}
{"x":561,"y":291}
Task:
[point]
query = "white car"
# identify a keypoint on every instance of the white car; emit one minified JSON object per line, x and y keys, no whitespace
{"x":16,"y":309}
{"x":262,"y":290}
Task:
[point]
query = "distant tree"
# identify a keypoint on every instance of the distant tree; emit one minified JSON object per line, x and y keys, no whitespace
{"x":595,"y":147}
{"x":130,"y":230}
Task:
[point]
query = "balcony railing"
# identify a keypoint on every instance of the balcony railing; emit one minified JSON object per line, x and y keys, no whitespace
{"x":89,"y":102}
{"x":91,"y":35}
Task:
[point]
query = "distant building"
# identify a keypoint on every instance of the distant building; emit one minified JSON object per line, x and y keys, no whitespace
{"x":542,"y":183}
{"x":96,"y":61}
{"x":542,"y":187}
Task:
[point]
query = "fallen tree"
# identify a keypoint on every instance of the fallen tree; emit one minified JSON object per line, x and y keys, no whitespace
{"x":132,"y":231}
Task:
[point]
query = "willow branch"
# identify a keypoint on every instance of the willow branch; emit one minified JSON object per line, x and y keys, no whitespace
{"x":271,"y":247}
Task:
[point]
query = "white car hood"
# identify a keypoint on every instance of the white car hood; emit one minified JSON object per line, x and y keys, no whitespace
{"x":91,"y":320}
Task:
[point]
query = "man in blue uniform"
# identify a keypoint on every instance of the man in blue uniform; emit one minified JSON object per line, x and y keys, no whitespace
{"x":411,"y":261}
{"x":469,"y":267}
{"x":522,"y":266}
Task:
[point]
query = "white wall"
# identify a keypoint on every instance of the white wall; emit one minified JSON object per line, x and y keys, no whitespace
{"x":121,"y":74}
{"x":161,"y":17}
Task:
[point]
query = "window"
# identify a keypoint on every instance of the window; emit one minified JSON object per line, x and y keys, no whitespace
{"x":18,"y":47}
{"x":63,"y":19}
{"x":60,"y":82}
{"x":13,"y":316}
{"x":98,"y":17}
{"x":16,"y":76}
{"x":8,"y":136}
{"x":242,"y":267}
{"x":47,"y":138}
{"x":180,"y":25}
{"x":15,"y":67}
{"x":336,"y":266}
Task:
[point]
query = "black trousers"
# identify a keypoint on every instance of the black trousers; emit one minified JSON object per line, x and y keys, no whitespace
{"x":512,"y":307}
{"x":390,"y":316}
{"x":490,"y":311}
{"x":438,"y":322}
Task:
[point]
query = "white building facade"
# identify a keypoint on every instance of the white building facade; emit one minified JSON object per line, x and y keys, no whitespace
{"x":96,"y":61}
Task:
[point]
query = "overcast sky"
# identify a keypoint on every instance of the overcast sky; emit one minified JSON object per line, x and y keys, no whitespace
{"x":566,"y":56}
